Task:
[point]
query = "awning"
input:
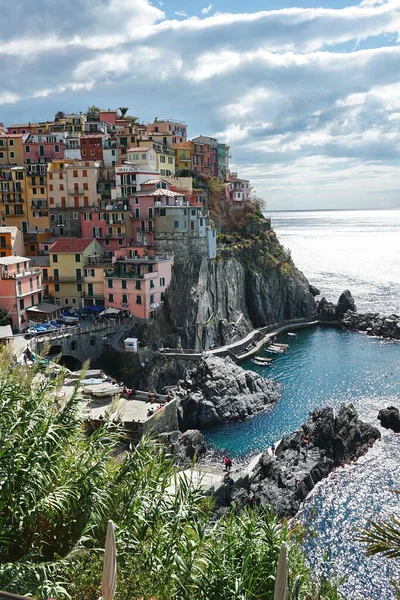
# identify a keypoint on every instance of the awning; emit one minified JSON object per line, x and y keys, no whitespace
{"x":94,"y":308}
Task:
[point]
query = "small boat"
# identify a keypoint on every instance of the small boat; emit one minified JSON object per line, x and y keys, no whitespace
{"x":260,"y":363}
{"x":272,"y":351}
{"x":263,"y":359}
{"x":102,"y":391}
{"x":275,"y":349}
{"x":292,"y":334}
{"x":283,"y":346}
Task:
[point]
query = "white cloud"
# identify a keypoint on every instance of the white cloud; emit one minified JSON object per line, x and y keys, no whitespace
{"x":181,"y":13}
{"x":206,"y":9}
{"x":9,"y":98}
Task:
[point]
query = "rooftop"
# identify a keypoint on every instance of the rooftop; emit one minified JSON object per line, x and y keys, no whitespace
{"x":71,"y":245}
{"x":7,"y":229}
{"x":5,"y":332}
{"x":13,"y":260}
{"x":44,"y":308}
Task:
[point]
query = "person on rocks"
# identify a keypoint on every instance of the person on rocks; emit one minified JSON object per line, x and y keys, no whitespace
{"x":227,"y":463}
{"x":150,"y":412}
{"x":273,"y":449}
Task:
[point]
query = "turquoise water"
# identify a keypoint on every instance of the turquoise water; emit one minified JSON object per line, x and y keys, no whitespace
{"x":326,"y":366}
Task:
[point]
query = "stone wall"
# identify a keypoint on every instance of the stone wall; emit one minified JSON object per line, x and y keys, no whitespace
{"x":163,"y":421}
{"x":182,"y":245}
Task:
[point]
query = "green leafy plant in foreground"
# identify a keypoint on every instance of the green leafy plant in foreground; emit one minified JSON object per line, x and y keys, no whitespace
{"x":59,"y":485}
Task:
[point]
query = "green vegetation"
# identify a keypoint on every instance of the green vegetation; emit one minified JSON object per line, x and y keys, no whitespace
{"x":4,"y":320}
{"x":60,"y":484}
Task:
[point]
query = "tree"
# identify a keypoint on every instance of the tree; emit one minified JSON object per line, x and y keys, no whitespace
{"x":59,"y":115}
{"x":123,"y":110}
{"x":93,"y":113}
{"x":4,"y":319}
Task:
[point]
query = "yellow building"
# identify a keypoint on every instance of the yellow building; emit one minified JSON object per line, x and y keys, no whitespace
{"x":37,"y":201}
{"x":93,"y":285}
{"x":69,"y":258}
{"x":72,"y":187}
{"x":13,"y":197}
{"x":12,"y":149}
{"x":72,"y":123}
{"x":184,"y":156}
{"x":164,"y":157}
{"x":11,"y":242}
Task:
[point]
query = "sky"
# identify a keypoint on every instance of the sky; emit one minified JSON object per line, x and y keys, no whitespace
{"x":307,"y":96}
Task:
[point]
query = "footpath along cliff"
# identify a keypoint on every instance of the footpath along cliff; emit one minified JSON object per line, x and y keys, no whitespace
{"x":253,"y":282}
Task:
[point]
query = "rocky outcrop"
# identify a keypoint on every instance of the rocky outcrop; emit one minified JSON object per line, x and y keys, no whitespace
{"x":252,"y":283}
{"x":345,"y":303}
{"x":313,"y":290}
{"x":186,"y":447}
{"x":390,"y":418}
{"x":373,"y":324}
{"x":285,"y":479}
{"x":326,"y":311}
{"x":164,"y":372}
{"x":218,"y":391}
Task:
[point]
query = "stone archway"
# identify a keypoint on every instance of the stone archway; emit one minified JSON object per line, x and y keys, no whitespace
{"x":70,"y":362}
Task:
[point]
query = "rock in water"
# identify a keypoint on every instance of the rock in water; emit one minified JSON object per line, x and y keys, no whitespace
{"x":390,"y":418}
{"x":345,"y":303}
{"x":284,"y":480}
{"x":326,"y":311}
{"x":314,"y":291}
{"x":218,"y":391}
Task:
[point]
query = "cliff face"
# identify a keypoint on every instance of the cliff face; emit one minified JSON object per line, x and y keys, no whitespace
{"x":252,"y":283}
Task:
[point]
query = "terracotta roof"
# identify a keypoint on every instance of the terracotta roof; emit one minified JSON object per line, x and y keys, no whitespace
{"x":71,"y":245}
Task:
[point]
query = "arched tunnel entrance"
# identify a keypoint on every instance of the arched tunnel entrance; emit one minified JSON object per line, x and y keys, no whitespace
{"x":71,"y":362}
{"x":67,"y":360}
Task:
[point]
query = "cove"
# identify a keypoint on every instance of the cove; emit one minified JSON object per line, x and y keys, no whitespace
{"x":324,"y":366}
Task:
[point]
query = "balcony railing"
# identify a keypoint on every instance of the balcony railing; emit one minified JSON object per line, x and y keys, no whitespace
{"x":77,"y":192}
{"x":39,"y":204}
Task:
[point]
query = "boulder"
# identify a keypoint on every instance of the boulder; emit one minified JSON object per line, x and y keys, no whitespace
{"x":345,"y":303}
{"x":314,"y":291}
{"x":185,"y":447}
{"x":390,"y":418}
{"x":218,"y":391}
{"x":326,"y":311}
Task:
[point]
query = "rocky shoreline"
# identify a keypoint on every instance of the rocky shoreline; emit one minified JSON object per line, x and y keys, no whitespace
{"x":284,"y":479}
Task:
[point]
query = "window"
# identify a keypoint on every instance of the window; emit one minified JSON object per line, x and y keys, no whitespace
{"x":125,"y":298}
{"x":201,"y":222}
{"x":191,"y":225}
{"x":138,"y":299}
{"x":2,"y":242}
{"x":83,"y":152}
{"x":27,"y":149}
{"x":75,"y":215}
{"x":111,"y":297}
{"x":85,"y":186}
{"x":51,"y":200}
{"x":162,"y":281}
{"x":162,"y":159}
{"x":150,"y":213}
{"x":137,"y":213}
{"x":34,"y":191}
{"x":143,"y":156}
{"x":151,"y":298}
{"x":170,"y":160}
{"x":12,"y":142}
{"x":163,"y":212}
{"x":136,"y":200}
{"x":77,"y":258}
{"x":110,"y":283}
{"x":75,"y":173}
{"x":162,"y":297}
{"x":176,"y":224}
{"x":55,"y":258}
{"x":123,"y":284}
{"x":12,"y":154}
{"x":193,"y":213}
{"x":56,"y":287}
{"x":21,"y":304}
{"x":61,"y":187}
{"x":1,"y":154}
{"x":138,"y":285}
{"x":78,"y":287}
{"x":152,"y":285}
{"x":84,"y":173}
{"x":50,"y":175}
{"x":87,"y":217}
{"x":56,"y":148}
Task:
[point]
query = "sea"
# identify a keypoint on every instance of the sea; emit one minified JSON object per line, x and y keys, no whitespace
{"x":337,"y":250}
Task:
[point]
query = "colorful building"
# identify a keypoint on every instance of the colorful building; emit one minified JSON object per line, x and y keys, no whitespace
{"x":92,"y":146}
{"x":11,"y":242}
{"x":223,"y":157}
{"x":43,"y":148}
{"x":113,"y":229}
{"x":137,"y":282}
{"x":175,"y":128}
{"x":237,"y":191}
{"x":12,"y":149}
{"x":72,"y":188}
{"x":184,"y":156}
{"x":20,"y":288}
{"x":13,"y":197}
{"x":153,"y":156}
{"x":37,"y":205}
{"x":69,"y":257}
{"x":205,"y":157}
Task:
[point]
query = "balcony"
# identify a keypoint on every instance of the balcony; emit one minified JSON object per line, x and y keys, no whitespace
{"x":25,"y":273}
{"x":77,"y":192}
{"x":113,"y":274}
{"x":39,"y":204}
{"x":21,"y":294}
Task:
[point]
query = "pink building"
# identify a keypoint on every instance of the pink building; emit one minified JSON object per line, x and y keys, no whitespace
{"x":112,"y":227}
{"x":237,"y":190}
{"x":20,"y":288}
{"x":43,"y":148}
{"x":137,"y":282}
